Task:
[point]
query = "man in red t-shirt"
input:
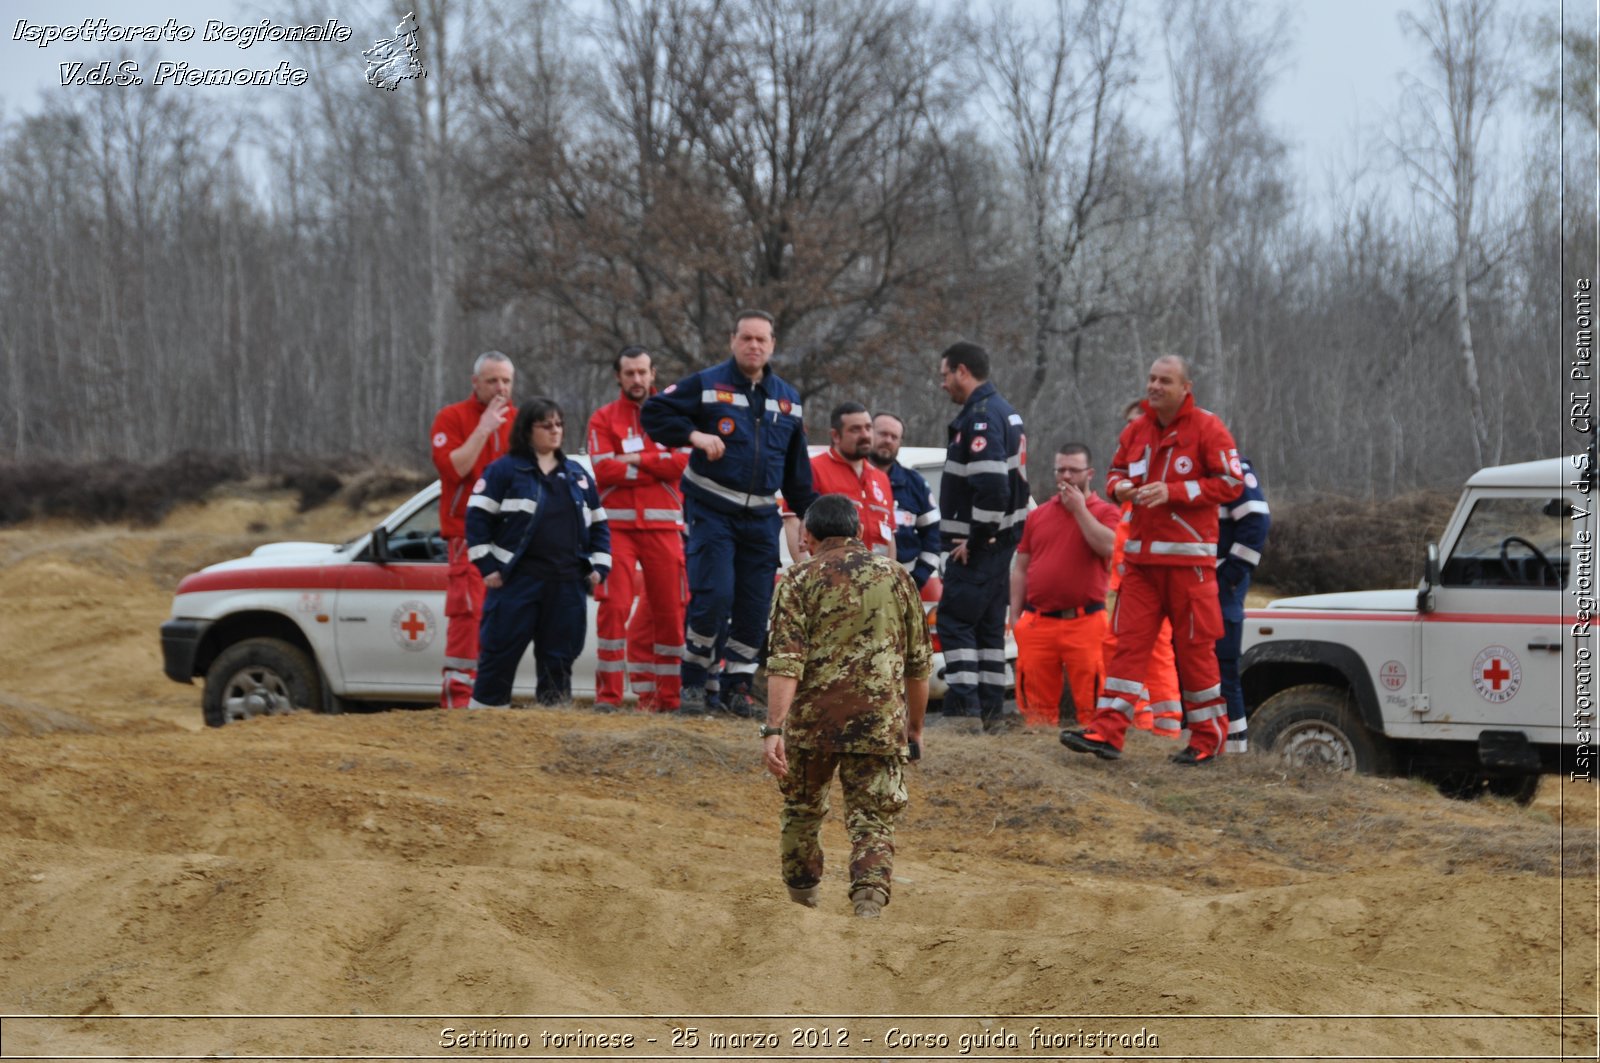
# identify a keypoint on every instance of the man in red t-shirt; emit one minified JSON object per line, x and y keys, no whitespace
{"x":467,"y":436}
{"x":1058,"y":593}
{"x":843,"y":469}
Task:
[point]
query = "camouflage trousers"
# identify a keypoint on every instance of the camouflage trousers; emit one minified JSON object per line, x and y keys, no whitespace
{"x":874,"y":796}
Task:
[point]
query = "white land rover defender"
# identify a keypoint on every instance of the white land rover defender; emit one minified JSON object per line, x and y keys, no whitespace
{"x":1479,"y":680}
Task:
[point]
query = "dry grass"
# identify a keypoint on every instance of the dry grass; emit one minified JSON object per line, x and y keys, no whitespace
{"x":1026,"y":799}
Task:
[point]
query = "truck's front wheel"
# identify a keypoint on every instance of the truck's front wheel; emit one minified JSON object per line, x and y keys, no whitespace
{"x":1316,"y":726}
{"x":259,"y":677}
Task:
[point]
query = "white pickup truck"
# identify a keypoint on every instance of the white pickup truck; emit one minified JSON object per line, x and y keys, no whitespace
{"x":1479,"y":680}
{"x":320,"y":626}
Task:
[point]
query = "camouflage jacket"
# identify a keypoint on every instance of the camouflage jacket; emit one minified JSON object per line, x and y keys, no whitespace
{"x":847,"y":624}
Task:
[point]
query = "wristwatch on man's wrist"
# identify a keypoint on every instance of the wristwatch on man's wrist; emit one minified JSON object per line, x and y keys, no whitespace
{"x":768,"y":732}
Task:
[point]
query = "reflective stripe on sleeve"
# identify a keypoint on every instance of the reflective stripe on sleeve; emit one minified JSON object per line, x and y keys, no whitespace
{"x":975,"y":468}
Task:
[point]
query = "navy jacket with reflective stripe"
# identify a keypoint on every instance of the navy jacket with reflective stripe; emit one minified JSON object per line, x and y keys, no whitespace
{"x":916,"y":543}
{"x":760,"y":425}
{"x":1242,"y":524}
{"x":503,"y":516}
{"x":984,"y":492}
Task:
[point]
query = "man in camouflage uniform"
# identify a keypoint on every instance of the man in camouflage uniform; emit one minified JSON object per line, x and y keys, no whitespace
{"x":847,"y":685}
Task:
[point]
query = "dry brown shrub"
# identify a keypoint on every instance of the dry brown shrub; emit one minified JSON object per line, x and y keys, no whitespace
{"x":1343,"y":544}
{"x":116,"y":491}
{"x":112,"y":490}
{"x":382,"y":484}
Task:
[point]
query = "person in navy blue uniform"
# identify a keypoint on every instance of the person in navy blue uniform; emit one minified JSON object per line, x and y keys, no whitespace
{"x":983,"y":502}
{"x":537,"y":532}
{"x":916,"y":514}
{"x":745,"y":425}
{"x":1241,"y":536}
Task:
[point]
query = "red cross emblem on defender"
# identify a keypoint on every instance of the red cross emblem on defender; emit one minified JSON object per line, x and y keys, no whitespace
{"x":413,"y":627}
{"x":1496,"y":674}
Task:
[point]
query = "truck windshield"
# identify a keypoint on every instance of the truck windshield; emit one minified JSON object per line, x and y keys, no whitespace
{"x":1511,"y":542}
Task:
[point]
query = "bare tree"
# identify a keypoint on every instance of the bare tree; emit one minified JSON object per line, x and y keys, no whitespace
{"x":1061,"y":89}
{"x":1221,"y":59}
{"x":781,"y":152}
{"x":1440,"y":143}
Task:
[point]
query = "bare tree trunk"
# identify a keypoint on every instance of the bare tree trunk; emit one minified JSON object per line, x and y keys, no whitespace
{"x":1450,"y":103}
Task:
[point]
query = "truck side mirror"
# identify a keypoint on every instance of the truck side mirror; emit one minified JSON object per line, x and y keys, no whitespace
{"x":1430,"y":579}
{"x":380,"y":544}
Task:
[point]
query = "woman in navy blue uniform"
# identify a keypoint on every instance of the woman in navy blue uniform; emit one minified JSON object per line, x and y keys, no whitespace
{"x":537,"y":532}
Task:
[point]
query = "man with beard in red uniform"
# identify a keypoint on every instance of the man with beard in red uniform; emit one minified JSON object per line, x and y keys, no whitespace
{"x":843,"y":469}
{"x":467,"y":436}
{"x":638,"y":480}
{"x":1176,"y":463}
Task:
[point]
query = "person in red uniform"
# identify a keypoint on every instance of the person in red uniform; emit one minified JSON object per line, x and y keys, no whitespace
{"x":1058,"y":594}
{"x":638,"y":480}
{"x":1160,"y":709}
{"x":1176,"y":464}
{"x":843,"y":469}
{"x":467,"y":436}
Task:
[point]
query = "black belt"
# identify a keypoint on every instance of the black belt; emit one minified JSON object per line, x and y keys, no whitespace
{"x":1067,"y":614}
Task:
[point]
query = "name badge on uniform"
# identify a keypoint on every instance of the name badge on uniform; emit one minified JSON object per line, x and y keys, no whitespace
{"x":1138,"y":468}
{"x":633,"y":444}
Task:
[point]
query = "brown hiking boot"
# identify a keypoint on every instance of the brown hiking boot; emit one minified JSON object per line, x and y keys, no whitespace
{"x":869,"y":901}
{"x":807,"y":896}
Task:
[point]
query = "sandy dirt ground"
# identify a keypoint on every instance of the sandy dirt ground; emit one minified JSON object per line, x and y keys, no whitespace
{"x":559,"y":884}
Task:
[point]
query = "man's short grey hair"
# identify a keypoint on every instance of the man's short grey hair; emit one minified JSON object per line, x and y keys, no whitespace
{"x":833,"y":517}
{"x":489,"y":356}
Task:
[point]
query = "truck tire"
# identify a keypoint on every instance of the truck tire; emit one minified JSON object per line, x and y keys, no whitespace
{"x":1316,"y":726}
{"x":259,"y":677}
{"x":1469,"y":786}
{"x":1522,"y":789}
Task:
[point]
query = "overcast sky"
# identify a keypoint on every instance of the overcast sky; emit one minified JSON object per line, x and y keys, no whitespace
{"x":1339,"y":77}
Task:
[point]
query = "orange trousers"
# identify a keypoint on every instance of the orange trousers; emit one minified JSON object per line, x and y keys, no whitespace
{"x":1053,"y":654}
{"x":1160,"y":710}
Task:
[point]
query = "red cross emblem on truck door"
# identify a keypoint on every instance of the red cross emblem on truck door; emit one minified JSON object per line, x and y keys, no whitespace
{"x":412,"y":625}
{"x":1496,"y":674}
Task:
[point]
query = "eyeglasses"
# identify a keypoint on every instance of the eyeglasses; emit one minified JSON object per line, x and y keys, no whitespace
{"x":549,"y":426}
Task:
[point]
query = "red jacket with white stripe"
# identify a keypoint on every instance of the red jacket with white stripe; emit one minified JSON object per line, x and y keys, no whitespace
{"x":869,"y":490}
{"x":1195,"y":456}
{"x":451,"y":427}
{"x":643,"y":497}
